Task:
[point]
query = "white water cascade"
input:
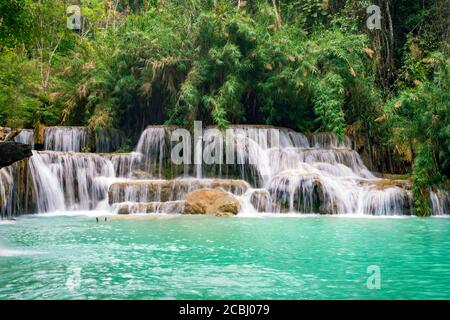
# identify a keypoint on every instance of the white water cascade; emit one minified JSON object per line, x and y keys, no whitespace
{"x":26,"y":136}
{"x":152,"y":146}
{"x":77,"y":179}
{"x":440,"y":201}
{"x":48,"y":190}
{"x":274,"y":170}
{"x":318,"y":174}
{"x":6,"y":192}
{"x":65,"y":138}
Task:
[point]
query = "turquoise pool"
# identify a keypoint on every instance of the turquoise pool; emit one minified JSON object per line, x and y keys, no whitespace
{"x":179,"y":257}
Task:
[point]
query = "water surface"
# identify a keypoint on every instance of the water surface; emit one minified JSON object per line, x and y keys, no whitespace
{"x":74,"y":257}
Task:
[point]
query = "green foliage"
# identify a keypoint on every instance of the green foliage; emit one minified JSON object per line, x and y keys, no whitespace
{"x":329,"y":102}
{"x":19,"y":100}
{"x":32,"y":71}
{"x":15,"y":22}
{"x":424,"y":176}
{"x":416,"y":66}
{"x":421,"y":118}
{"x":306,"y":13}
{"x":214,"y":64}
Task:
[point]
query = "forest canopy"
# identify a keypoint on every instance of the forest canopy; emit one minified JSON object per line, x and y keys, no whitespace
{"x":307,"y":65}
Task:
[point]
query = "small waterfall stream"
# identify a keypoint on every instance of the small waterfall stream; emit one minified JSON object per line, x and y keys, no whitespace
{"x":274,"y":170}
{"x":65,"y":138}
{"x":26,"y":136}
{"x":440,"y":201}
{"x":6,"y":192}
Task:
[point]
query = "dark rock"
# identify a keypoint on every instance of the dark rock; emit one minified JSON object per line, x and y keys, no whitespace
{"x":11,"y":152}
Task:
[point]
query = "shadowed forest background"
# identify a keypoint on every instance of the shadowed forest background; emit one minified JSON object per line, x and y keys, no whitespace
{"x":307,"y":65}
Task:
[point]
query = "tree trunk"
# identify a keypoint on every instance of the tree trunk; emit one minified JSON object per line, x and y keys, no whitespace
{"x":277,"y":13}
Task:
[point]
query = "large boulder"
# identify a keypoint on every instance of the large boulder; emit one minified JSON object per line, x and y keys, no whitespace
{"x":11,"y":152}
{"x":211,"y":202}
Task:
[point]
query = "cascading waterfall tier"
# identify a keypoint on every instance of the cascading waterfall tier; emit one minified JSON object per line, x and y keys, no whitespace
{"x":65,"y":138}
{"x":274,"y":170}
{"x":74,"y":139}
{"x":78,"y":179}
{"x":315,"y":173}
{"x":52,"y":181}
{"x":126,"y":165}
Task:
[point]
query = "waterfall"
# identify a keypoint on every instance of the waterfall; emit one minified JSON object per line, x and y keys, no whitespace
{"x":288,"y":171}
{"x":77,"y":179}
{"x":315,"y":174}
{"x":152,"y":146}
{"x":272,"y":170}
{"x":125,"y":164}
{"x":75,"y":139}
{"x":58,"y":181}
{"x":440,"y":201}
{"x":391,"y":201}
{"x":26,"y":136}
{"x":65,"y":138}
{"x":48,"y":190}
{"x":6,"y":191}
{"x":107,"y":140}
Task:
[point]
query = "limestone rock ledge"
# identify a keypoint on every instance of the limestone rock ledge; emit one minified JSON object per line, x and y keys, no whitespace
{"x":169,"y":207}
{"x":169,"y":190}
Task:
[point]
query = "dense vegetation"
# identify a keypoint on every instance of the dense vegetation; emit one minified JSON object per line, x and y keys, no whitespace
{"x":308,"y":65}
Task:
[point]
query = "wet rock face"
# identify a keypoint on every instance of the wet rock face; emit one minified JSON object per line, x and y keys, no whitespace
{"x":261,"y":200}
{"x":211,"y":202}
{"x":11,"y":152}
